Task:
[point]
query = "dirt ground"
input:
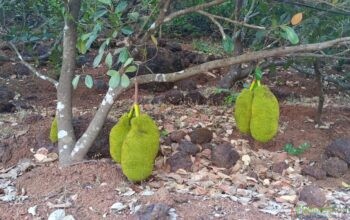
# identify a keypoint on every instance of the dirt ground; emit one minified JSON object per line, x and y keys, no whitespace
{"x":88,"y":190}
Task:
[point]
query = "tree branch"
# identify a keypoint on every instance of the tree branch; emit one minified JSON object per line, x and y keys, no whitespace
{"x":325,"y":56}
{"x":211,"y":17}
{"x":244,"y":58}
{"x":231,"y":21}
{"x":192,"y":9}
{"x":31,"y":68}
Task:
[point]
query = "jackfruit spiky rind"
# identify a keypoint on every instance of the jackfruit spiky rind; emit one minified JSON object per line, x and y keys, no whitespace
{"x":243,"y":109}
{"x":53,"y":131}
{"x":265,"y":115}
{"x":117,"y":137}
{"x":140,"y":148}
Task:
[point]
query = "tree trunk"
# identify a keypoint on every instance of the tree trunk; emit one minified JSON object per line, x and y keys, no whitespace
{"x":320,"y":91}
{"x":236,"y":70}
{"x":66,"y":136}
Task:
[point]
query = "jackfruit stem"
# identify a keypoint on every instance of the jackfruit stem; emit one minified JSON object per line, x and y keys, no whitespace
{"x":131,"y":112}
{"x":137,"y":110}
{"x":252,"y":85}
{"x":259,"y":84}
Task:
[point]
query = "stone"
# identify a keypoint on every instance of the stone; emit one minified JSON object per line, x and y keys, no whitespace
{"x":21,"y":70}
{"x":154,"y":211}
{"x":5,"y":153}
{"x":6,"y":96}
{"x":186,"y":85}
{"x":218,"y":98}
{"x":315,"y":172}
{"x":158,"y":99}
{"x":195,"y":97}
{"x":335,"y":167}
{"x":180,"y":160}
{"x":162,"y":195}
{"x":201,"y":135}
{"x":177,"y":136}
{"x":279,"y":167}
{"x":339,"y":148}
{"x":174,"y":97}
{"x":188,"y":147}
{"x":100,"y":85}
{"x":313,"y":196}
{"x":279,"y":157}
{"x":7,"y":107}
{"x":224,"y":155}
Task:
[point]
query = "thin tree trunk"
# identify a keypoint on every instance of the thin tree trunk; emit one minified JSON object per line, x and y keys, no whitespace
{"x":66,"y":136}
{"x":236,"y":70}
{"x":320,"y":91}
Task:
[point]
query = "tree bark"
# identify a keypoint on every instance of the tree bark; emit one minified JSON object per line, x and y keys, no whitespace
{"x":66,"y":136}
{"x":236,"y":70}
{"x":319,"y":82}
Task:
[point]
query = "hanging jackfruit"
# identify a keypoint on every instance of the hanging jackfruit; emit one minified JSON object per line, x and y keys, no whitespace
{"x":243,"y":110}
{"x":53,"y":131}
{"x":117,"y":136}
{"x":140,"y":148}
{"x":265,"y":114}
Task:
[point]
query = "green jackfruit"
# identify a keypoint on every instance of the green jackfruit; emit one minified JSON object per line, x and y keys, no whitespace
{"x":140,"y":148}
{"x":265,"y":115}
{"x":243,"y":109}
{"x":53,"y":131}
{"x":117,"y":137}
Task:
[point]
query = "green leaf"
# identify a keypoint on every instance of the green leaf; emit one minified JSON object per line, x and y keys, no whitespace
{"x":115,"y":34}
{"x":121,"y":6}
{"x":290,"y":34}
{"x":128,"y":61}
{"x":125,"y":81}
{"x":89,"y":81}
{"x":258,"y":73}
{"x":99,"y":14}
{"x":127,"y":30}
{"x":85,"y":36}
{"x":109,"y":60}
{"x":102,"y":47}
{"x":81,"y":46}
{"x":107,"y":2}
{"x":75,"y":81}
{"x":114,"y":80}
{"x":290,"y":149}
{"x":91,"y":39}
{"x":134,"y":16}
{"x":97,"y":60}
{"x":112,"y":72}
{"x":227,"y":43}
{"x":123,"y":56}
{"x":131,"y":69}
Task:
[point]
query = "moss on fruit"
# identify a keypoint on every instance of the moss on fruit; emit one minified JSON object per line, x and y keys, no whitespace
{"x":243,"y":110}
{"x":140,"y":148}
{"x":53,"y":131}
{"x":265,"y":114}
